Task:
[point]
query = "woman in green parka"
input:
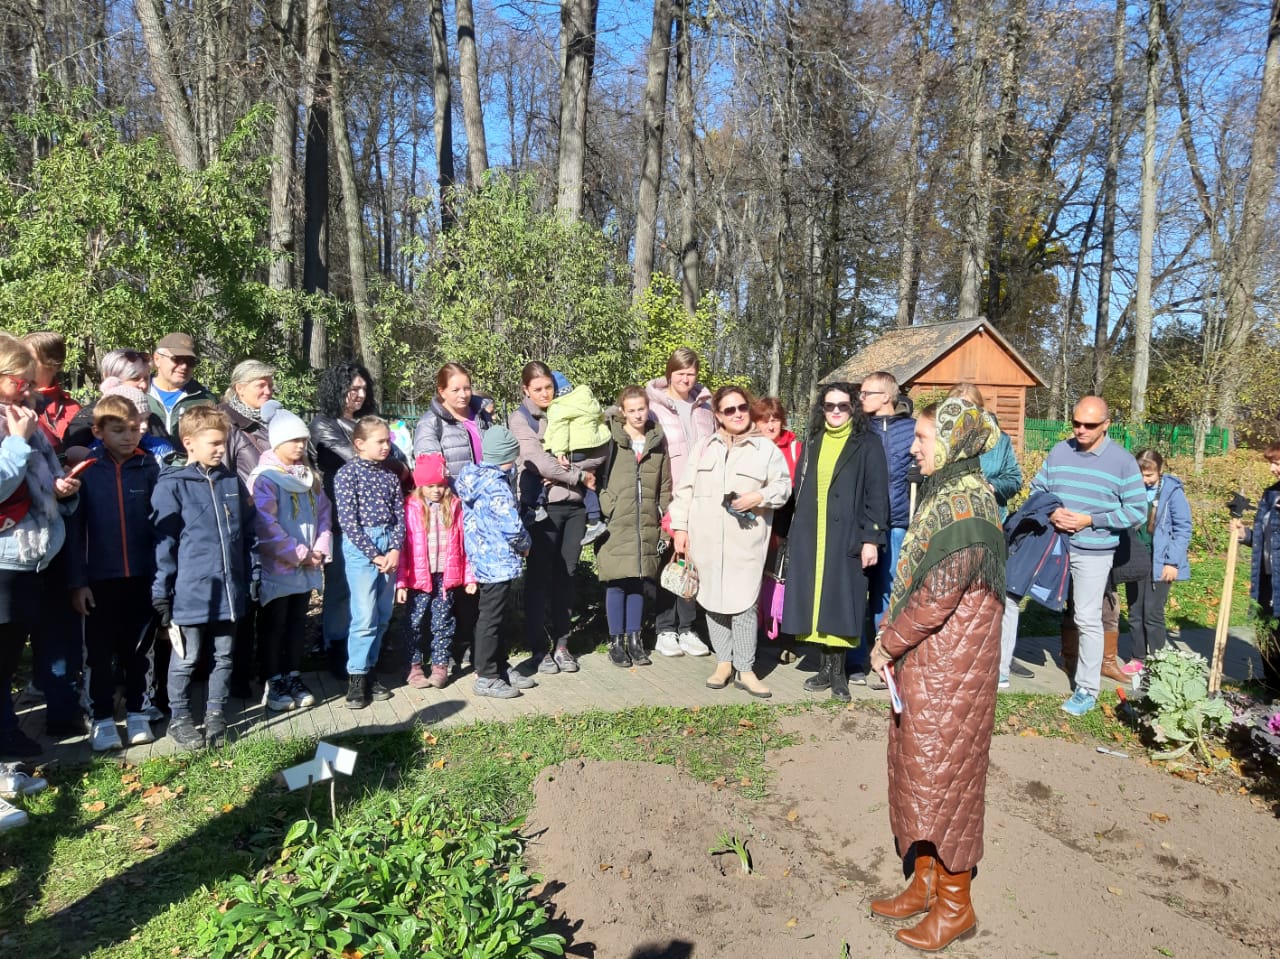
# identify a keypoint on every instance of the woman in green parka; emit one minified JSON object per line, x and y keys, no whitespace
{"x":633,"y":500}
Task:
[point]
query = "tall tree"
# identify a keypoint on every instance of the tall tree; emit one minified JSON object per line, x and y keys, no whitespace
{"x":175,"y":107}
{"x":972,"y":25}
{"x":284,"y":135}
{"x":909,"y":233}
{"x":653,"y":119}
{"x":443,"y":116}
{"x":577,"y":62}
{"x":1110,"y":181}
{"x":315,"y":175}
{"x":690,"y":254}
{"x":469,"y":82}
{"x":1142,"y":313}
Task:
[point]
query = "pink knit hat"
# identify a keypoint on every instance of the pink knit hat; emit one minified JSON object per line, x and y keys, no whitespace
{"x":429,"y":470}
{"x":112,"y":386}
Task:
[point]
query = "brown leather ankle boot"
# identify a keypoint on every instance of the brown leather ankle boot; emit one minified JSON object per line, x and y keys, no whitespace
{"x":950,"y":917}
{"x":1110,"y":660}
{"x":916,"y":898}
{"x":1070,"y":646}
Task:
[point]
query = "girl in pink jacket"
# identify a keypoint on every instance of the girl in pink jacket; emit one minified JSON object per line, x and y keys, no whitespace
{"x":432,"y":564}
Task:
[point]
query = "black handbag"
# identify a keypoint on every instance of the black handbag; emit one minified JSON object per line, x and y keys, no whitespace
{"x":1132,"y":560}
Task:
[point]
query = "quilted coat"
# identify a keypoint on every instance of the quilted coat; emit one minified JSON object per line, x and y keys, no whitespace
{"x":946,"y":641}
{"x":634,"y":499}
{"x":414,"y":571}
{"x":662,"y":409}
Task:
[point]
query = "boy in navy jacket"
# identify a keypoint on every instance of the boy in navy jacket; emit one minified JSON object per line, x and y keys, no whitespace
{"x":111,"y":566}
{"x":204,"y":522}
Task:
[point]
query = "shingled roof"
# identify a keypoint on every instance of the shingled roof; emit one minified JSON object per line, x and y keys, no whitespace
{"x":908,"y":351}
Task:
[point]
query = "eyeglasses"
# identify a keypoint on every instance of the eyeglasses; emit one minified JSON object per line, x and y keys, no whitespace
{"x":1081,"y":425}
{"x":863,"y":394}
{"x":836,"y":407}
{"x":178,"y":360}
{"x":735,"y":410}
{"x":18,"y":383}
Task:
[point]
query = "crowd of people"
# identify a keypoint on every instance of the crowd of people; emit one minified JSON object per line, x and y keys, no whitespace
{"x":162,"y":532}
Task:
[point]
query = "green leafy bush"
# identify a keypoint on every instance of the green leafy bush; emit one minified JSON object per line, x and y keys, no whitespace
{"x":1179,"y":710}
{"x":421,"y":881}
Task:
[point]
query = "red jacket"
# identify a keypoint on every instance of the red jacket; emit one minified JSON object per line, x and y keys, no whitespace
{"x":791,"y":449}
{"x":56,"y":409}
{"x":414,"y":571}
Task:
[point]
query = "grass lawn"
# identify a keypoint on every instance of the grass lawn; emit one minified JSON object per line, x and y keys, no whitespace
{"x":124,"y":861}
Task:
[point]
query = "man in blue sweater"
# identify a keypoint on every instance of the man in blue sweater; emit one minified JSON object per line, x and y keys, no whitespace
{"x":1102,"y":493}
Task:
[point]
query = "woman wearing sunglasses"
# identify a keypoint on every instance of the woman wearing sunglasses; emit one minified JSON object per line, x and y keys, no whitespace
{"x":841,"y":523}
{"x":721,"y":515}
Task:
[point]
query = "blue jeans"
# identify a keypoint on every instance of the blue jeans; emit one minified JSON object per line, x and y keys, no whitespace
{"x":372,"y":596}
{"x":222,"y":635}
{"x":880,"y":581}
{"x":336,"y":616}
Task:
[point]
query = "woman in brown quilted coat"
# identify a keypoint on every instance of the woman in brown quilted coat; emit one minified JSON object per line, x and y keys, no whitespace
{"x":942,"y":642}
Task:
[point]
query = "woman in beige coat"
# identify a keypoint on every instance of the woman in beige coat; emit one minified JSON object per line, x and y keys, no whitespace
{"x":736,"y":468}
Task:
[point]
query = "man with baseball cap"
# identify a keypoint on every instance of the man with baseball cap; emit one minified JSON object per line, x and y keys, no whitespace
{"x":174,"y":389}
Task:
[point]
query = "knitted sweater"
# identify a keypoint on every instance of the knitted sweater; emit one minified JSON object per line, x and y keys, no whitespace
{"x":1104,"y":482}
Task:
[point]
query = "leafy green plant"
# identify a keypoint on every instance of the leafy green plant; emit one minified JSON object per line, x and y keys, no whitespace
{"x":390,"y":881}
{"x":727,"y":842}
{"x":1179,"y":710}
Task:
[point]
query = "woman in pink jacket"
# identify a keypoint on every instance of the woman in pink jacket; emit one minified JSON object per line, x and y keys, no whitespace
{"x":433,"y":564}
{"x":682,"y":406}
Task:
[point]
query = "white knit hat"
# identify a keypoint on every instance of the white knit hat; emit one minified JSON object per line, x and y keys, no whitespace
{"x":286,"y":426}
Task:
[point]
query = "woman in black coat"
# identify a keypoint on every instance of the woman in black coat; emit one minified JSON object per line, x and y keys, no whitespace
{"x":841,"y":521}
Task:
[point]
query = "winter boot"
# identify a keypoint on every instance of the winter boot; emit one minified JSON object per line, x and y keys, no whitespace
{"x":417,"y":677}
{"x":358,"y":691}
{"x":1110,"y":663}
{"x":837,"y":676}
{"x":1070,"y":646}
{"x":822,"y":678}
{"x":950,"y":917}
{"x":916,"y":898}
{"x":618,"y":651}
{"x":636,"y":650}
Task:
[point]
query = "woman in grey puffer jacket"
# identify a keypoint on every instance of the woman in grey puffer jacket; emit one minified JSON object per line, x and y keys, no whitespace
{"x":454,"y":424}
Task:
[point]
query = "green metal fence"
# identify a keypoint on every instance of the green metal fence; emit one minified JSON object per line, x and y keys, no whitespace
{"x":1040,"y":435}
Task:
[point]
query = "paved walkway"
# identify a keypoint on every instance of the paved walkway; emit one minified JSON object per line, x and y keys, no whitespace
{"x":599,"y":685}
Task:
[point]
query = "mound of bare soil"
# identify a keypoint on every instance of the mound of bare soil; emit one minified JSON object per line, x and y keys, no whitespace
{"x":1086,"y":855}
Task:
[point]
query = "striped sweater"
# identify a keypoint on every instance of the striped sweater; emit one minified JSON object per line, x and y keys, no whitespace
{"x":1104,"y":482}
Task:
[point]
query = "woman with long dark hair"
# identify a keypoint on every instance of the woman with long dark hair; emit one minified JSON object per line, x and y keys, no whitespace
{"x":345,"y":394}
{"x":841,"y":521}
{"x":557,"y":539}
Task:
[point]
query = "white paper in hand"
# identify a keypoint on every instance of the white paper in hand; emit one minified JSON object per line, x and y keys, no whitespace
{"x":893,"y":688}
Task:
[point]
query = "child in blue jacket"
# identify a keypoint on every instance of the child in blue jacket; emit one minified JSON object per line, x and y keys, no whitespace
{"x":111,"y":567}
{"x":204,"y":524}
{"x":495,"y":540}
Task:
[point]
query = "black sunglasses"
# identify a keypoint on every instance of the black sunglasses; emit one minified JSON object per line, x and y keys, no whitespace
{"x":731,"y":410}
{"x":836,"y":407}
{"x":1081,"y":425}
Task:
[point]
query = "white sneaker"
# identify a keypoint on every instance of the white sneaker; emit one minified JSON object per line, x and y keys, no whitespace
{"x":11,"y":817}
{"x":668,"y":644}
{"x":276,"y":695}
{"x":105,"y":736}
{"x":137,"y":729}
{"x":15,"y":781}
{"x":692,"y":645}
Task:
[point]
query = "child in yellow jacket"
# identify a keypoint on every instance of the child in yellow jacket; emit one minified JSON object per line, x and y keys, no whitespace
{"x":576,"y":431}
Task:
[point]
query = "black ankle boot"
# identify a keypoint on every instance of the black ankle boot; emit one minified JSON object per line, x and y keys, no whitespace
{"x":822,"y":678}
{"x":357,"y":691}
{"x":618,"y":651}
{"x":636,"y":650}
{"x":838,"y":678}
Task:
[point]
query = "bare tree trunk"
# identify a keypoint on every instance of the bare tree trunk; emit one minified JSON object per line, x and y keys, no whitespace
{"x":469,"y":82}
{"x":654,"y":120}
{"x":1240,"y":277}
{"x":284,"y":136}
{"x":443,"y":118}
{"x":1008,"y":161}
{"x":315,"y":256}
{"x":577,"y":61}
{"x":974,"y":120}
{"x":1102,"y":320}
{"x":910,"y":238}
{"x":352,"y":217}
{"x":690,"y":254}
{"x":1058,"y":390}
{"x":175,"y":108}
{"x":1147,"y":228}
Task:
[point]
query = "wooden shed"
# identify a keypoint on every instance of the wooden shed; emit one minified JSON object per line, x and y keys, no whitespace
{"x":926,"y":359}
